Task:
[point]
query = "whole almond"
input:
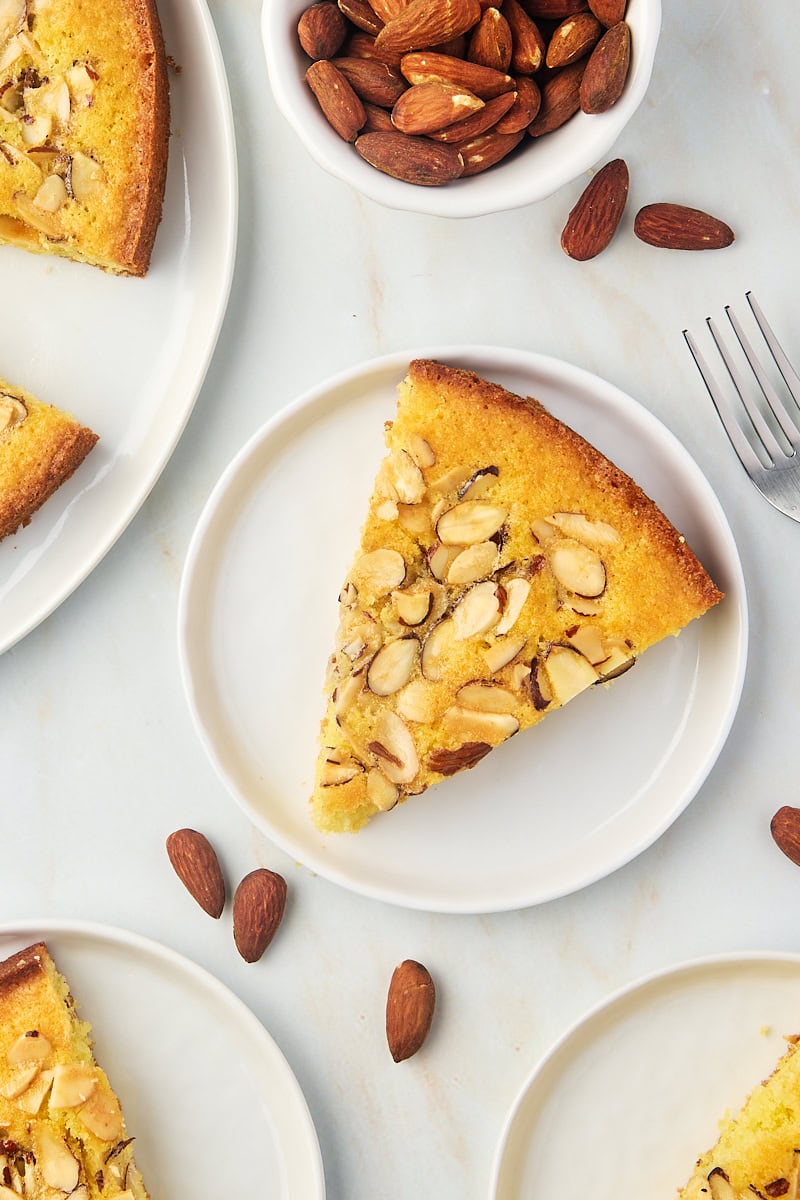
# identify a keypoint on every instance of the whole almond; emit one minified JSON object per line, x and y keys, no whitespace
{"x":490,"y":43}
{"x":378,"y":119}
{"x":561,"y":99}
{"x":361,"y":15}
{"x":258,"y":905}
{"x":528,"y":44}
{"x":372,"y":80}
{"x":321,"y":30}
{"x":412,"y":159}
{"x":483,"y":119}
{"x":572,"y":39}
{"x":554,"y":10}
{"x":484,"y":151}
{"x":387,"y":10}
{"x":523,"y":111}
{"x":785,"y":829}
{"x":608,"y":12}
{"x":428,"y":107}
{"x":607,"y":69}
{"x":427,"y":22}
{"x":409,"y":1009}
{"x":593,"y":221}
{"x":197,"y":866}
{"x":432,"y":67}
{"x":340,"y":105}
{"x":677,"y":227}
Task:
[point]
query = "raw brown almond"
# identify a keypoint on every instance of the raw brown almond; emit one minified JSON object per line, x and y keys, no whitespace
{"x":676,"y":227}
{"x":372,"y":80}
{"x":427,"y":107}
{"x":528,"y":44}
{"x":484,"y":82}
{"x":412,"y":159}
{"x":593,"y":221}
{"x":379,"y":120}
{"x":427,"y":22}
{"x":523,"y":111}
{"x":573,"y":39}
{"x":785,"y":829}
{"x":449,"y":762}
{"x":361,"y":44}
{"x":608,"y":12}
{"x":409,"y":1009}
{"x":607,"y":69}
{"x":490,"y":43}
{"x":197,"y":866}
{"x":258,"y":905}
{"x":555,"y":10}
{"x":361,"y":15}
{"x":456,"y":47}
{"x":387,"y":10}
{"x":561,"y":99}
{"x":321,"y":30}
{"x":484,"y":151}
{"x":485,"y":118}
{"x":340,"y":105}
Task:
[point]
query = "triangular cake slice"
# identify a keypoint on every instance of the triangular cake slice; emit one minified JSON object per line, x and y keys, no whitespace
{"x":758,"y":1151}
{"x":84,"y":129}
{"x":40,"y":447}
{"x":505,"y":565}
{"x":61,"y":1125}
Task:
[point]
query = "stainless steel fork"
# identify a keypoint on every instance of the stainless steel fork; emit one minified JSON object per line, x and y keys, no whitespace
{"x":767,"y":438}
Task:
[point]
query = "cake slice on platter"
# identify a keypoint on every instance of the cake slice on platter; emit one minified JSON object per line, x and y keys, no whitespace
{"x":505,"y":565}
{"x":758,"y":1151}
{"x":61,"y":1126}
{"x":40,"y":447}
{"x":84,"y":129}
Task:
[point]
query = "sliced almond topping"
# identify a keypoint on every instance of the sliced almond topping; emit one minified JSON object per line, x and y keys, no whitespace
{"x":588,"y":639}
{"x":517,"y":592}
{"x":502,"y":652}
{"x":394,"y":748}
{"x":479,"y":484}
{"x":421,"y":451}
{"x":416,"y":702}
{"x":379,"y":572}
{"x":542,"y":530}
{"x":578,"y":568}
{"x":584,"y":606}
{"x":471,"y":725}
{"x":439,"y":559}
{"x":29,"y":1047}
{"x":348,"y":596}
{"x":487,"y":697}
{"x":580,"y":527}
{"x":393,"y":666}
{"x":386,"y":510}
{"x":477,"y":612}
{"x":518,"y":675}
{"x":473,"y":563}
{"x":413,"y":607}
{"x":58,"y":1166}
{"x":12,"y":18}
{"x":50,"y":99}
{"x":449,"y":762}
{"x":568,"y":672}
{"x":720,"y":1186}
{"x":332,"y":773}
{"x":451,"y":480}
{"x":400,"y":478}
{"x":46,"y":223}
{"x":52,"y":195}
{"x":415,"y":519}
{"x":13,"y":50}
{"x":381,"y":791}
{"x":36,"y":130}
{"x":619,"y":659}
{"x":12,"y":412}
{"x":101,"y":1115}
{"x":81,"y":84}
{"x":21,"y":1078}
{"x":469,"y":522}
{"x":72,"y":1084}
{"x":539,"y":686}
{"x":436,"y":647}
{"x":31,"y":1099}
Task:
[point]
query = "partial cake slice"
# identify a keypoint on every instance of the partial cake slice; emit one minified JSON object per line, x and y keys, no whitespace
{"x":61,"y":1125}
{"x":40,"y":447}
{"x":505,"y":566}
{"x":758,"y":1151}
{"x":84,"y":129}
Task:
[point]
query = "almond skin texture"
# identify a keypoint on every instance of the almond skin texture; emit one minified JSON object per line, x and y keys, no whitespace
{"x":490,"y":42}
{"x":785,"y":829}
{"x":428,"y":22}
{"x":676,"y":227}
{"x":483,"y":119}
{"x":409,"y":1009}
{"x":361,"y":15}
{"x":606,"y":70}
{"x":412,"y":159}
{"x":341,"y":106}
{"x":428,"y":107}
{"x":608,"y":12}
{"x":321,"y":30}
{"x":443,"y":68}
{"x":554,"y":10}
{"x":372,"y":81}
{"x":593,"y":221}
{"x":258,"y":905}
{"x":573,"y":39}
{"x":524,"y":109}
{"x":197,"y":866}
{"x":561,"y":99}
{"x":483,"y":152}
{"x":528,"y":44}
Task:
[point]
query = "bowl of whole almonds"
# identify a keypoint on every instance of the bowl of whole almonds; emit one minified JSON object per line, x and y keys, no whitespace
{"x":458,"y":107}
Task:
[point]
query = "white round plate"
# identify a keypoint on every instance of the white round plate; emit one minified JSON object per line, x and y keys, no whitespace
{"x":126,"y":356}
{"x":257,"y":618}
{"x":628,"y":1100}
{"x":214,"y":1105}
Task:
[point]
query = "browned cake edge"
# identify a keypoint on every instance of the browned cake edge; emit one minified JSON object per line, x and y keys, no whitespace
{"x":17,"y":510}
{"x":526,"y":409}
{"x":22,"y":965}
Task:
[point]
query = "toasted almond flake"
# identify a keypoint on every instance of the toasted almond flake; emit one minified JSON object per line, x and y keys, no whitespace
{"x":439,"y":559}
{"x":486,"y":697}
{"x":517,"y":592}
{"x":578,"y":568}
{"x":52,"y":195}
{"x":477,"y":612}
{"x":471,"y":725}
{"x":381,"y":792}
{"x":413,"y":607}
{"x":580,"y":527}
{"x":588,"y":640}
{"x":58,"y":1165}
{"x":20,"y":1079}
{"x":451,"y":480}
{"x":473,"y":563}
{"x":416,"y":702}
{"x":436,"y":647}
{"x":31,"y":1046}
{"x":421,"y":451}
{"x":568,"y":672}
{"x":469,"y":522}
{"x":387,"y":510}
{"x":479,"y":484}
{"x":332,"y":774}
{"x":87,"y":177}
{"x":393,"y":666}
{"x":72,"y":1084}
{"x":379,"y":572}
{"x":394,"y":748}
{"x":502,"y":652}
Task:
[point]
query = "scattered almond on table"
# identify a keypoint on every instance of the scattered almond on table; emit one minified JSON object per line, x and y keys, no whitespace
{"x":409,"y":1009}
{"x":197,"y":866}
{"x":258,"y":906}
{"x":677,"y":227}
{"x":785,"y":830}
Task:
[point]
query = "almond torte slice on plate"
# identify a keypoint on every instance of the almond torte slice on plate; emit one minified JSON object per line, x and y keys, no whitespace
{"x":40,"y":447}
{"x":505,"y":565}
{"x":757,"y":1153}
{"x":61,"y":1126}
{"x":84,"y":129}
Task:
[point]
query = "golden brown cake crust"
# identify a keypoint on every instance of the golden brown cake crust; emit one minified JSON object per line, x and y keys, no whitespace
{"x":22,"y":965}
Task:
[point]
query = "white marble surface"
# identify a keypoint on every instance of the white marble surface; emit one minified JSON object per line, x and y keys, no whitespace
{"x":99,"y":758}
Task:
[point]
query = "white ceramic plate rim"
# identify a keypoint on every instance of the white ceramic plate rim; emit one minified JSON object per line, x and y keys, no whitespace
{"x":504,"y":359}
{"x":296,"y":1110}
{"x":661,"y":975}
{"x":41,"y":606}
{"x":497,"y":190}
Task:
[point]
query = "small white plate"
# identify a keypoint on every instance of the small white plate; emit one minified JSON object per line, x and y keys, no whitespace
{"x":126,"y":356}
{"x":627,"y":1101}
{"x":212,"y":1101}
{"x":257,"y":618}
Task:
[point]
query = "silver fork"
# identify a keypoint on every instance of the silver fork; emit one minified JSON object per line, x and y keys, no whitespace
{"x":768,"y":450}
